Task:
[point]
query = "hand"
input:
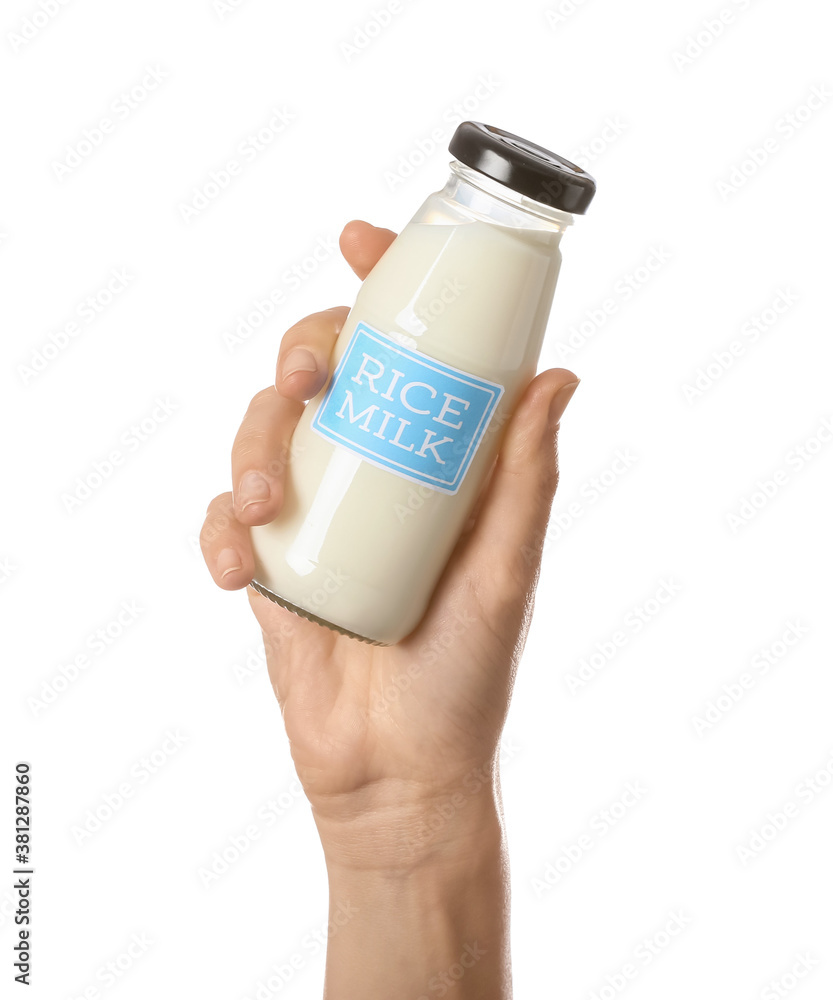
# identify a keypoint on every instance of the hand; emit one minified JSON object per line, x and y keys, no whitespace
{"x":382,"y":737}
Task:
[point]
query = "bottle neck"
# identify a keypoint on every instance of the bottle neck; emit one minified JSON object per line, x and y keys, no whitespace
{"x":478,"y":196}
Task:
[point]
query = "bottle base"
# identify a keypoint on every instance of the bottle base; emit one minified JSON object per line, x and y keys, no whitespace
{"x":310,"y":617}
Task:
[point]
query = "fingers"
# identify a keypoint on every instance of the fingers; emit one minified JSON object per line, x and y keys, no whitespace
{"x":260,"y":455}
{"x":304,"y":357}
{"x":225,"y":545}
{"x":261,"y":448}
{"x":505,"y":544}
{"x":363,"y":245}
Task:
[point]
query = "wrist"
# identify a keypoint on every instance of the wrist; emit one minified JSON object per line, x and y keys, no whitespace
{"x":397,"y":834}
{"x":419,"y":890}
{"x":394,"y":832}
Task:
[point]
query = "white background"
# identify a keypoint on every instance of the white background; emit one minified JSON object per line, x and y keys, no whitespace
{"x":733,"y":242}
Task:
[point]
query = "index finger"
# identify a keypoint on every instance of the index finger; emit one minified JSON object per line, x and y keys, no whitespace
{"x":362,"y":245}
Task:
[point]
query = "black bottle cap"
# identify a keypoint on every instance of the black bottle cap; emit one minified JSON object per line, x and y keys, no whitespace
{"x":530,"y":170}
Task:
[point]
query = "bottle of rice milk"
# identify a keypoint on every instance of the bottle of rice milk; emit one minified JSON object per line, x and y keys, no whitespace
{"x":387,"y":460}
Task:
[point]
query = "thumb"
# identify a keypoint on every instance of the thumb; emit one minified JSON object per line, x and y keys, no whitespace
{"x":503,"y":551}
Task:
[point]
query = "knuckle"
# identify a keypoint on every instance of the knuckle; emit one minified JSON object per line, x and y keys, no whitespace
{"x":315,"y":329}
{"x":250,"y":442}
{"x":338,"y":314}
{"x":549,"y":481}
{"x":300,"y":332}
{"x":217,"y":503}
{"x":264,"y":397}
{"x":217,"y":521}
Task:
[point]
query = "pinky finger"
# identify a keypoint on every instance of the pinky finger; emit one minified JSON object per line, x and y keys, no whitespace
{"x":225,"y":545}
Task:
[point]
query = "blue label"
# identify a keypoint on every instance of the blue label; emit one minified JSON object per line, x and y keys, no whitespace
{"x":406,"y":412}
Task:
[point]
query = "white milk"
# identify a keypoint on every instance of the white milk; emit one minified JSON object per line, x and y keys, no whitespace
{"x":359,"y":546}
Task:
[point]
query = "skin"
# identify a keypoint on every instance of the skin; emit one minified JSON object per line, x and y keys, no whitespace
{"x":397,"y":746}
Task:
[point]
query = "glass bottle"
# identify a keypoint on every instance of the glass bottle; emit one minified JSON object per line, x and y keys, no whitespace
{"x":387,"y":460}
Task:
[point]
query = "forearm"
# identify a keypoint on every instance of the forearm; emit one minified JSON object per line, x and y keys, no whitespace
{"x":416,"y":911}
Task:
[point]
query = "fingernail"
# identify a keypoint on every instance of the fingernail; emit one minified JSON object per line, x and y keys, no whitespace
{"x":299,"y":360}
{"x":227,"y":562}
{"x":253,"y":489}
{"x":560,"y":400}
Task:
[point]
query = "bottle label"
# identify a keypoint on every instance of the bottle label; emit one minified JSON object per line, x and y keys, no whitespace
{"x":406,"y":412}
